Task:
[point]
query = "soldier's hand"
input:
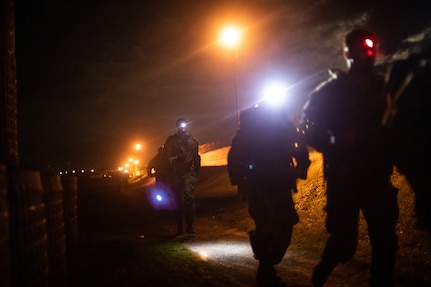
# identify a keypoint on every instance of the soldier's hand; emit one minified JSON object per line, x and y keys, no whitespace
{"x":301,"y":173}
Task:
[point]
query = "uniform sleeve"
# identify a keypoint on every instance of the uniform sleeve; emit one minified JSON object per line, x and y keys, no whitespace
{"x":314,"y":123}
{"x":234,"y":161}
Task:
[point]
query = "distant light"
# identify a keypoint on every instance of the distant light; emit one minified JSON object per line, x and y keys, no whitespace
{"x":138,"y":146}
{"x":159,"y":197}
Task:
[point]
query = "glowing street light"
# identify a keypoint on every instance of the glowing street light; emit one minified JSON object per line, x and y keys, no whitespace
{"x":230,"y":37}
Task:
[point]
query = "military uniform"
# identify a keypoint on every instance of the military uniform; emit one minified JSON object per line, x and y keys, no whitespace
{"x":181,"y":152}
{"x":343,"y":123}
{"x":266,"y":158}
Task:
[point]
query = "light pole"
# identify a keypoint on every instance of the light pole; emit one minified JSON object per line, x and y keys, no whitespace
{"x":230,"y":37}
{"x":138,"y":148}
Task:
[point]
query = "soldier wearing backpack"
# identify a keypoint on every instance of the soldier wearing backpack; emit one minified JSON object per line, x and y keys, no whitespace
{"x":184,"y":162}
{"x":266,"y":158}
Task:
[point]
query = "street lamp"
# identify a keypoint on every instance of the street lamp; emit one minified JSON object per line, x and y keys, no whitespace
{"x":230,"y":37}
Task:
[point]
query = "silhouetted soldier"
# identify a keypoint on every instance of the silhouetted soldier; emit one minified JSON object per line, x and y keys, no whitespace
{"x":343,"y":122}
{"x":266,"y":158}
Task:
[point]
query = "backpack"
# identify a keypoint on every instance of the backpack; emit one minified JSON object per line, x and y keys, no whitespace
{"x":263,"y":147}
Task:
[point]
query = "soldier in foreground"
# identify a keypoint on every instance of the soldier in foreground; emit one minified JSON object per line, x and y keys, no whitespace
{"x":343,"y":122}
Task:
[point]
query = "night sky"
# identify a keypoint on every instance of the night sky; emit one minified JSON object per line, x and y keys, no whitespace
{"x":96,"y":77}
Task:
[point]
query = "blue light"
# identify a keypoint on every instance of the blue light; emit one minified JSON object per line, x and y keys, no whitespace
{"x":161,"y":197}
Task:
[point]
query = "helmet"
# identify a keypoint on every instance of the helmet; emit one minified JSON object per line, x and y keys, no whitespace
{"x":360,"y":43}
{"x":181,"y":123}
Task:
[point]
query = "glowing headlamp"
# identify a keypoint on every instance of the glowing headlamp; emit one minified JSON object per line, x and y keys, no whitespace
{"x":369,"y":45}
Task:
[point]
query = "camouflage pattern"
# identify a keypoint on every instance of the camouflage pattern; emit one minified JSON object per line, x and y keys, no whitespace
{"x":181,"y":150}
{"x":182,"y":157}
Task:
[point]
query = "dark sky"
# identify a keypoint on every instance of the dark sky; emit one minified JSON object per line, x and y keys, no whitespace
{"x":96,"y":77}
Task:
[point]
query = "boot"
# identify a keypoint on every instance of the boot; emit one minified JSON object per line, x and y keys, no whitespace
{"x":321,"y":273}
{"x":190,"y":229}
{"x":180,"y":229}
{"x":267,"y":277}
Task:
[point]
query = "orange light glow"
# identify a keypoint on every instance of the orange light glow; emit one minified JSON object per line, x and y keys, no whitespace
{"x":230,"y":36}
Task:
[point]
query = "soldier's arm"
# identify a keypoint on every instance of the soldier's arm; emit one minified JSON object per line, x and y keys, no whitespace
{"x":234,"y":161}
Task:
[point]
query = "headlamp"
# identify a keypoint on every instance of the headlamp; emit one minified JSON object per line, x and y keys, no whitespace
{"x":369,"y":45}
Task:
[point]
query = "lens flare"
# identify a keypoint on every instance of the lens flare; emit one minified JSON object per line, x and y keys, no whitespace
{"x":161,"y":197}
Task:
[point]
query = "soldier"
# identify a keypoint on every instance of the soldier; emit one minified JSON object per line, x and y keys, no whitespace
{"x":157,"y":167}
{"x":181,"y":152}
{"x":266,"y":157}
{"x":343,"y":120}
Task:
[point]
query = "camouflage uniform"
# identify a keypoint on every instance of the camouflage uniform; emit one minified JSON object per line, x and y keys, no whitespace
{"x":261,"y":159}
{"x":181,"y":150}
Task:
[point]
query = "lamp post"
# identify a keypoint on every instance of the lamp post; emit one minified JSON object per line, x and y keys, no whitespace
{"x":138,"y":148}
{"x":230,"y":37}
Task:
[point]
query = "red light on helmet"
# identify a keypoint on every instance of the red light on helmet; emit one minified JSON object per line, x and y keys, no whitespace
{"x":369,"y":43}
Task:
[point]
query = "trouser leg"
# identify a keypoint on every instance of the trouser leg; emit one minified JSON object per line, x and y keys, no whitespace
{"x":383,"y":239}
{"x":189,"y":201}
{"x":342,"y":225}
